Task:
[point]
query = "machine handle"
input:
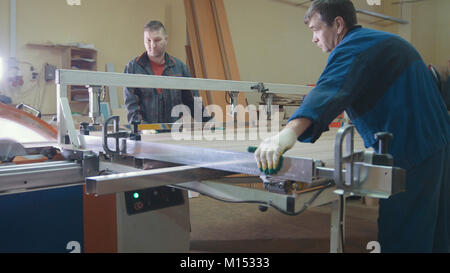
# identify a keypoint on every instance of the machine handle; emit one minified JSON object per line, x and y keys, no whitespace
{"x":251,"y":149}
{"x":383,"y":139}
{"x":344,"y":133}
{"x":383,"y":157}
{"x":38,"y":113}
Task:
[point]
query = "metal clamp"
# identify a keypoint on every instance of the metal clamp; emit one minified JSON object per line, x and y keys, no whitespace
{"x":95,"y":94}
{"x":269,"y":102}
{"x":116,"y":135}
{"x":233,"y":102}
{"x":260,"y":87}
{"x":134,"y":135}
{"x":366,"y":173}
{"x":268,"y":98}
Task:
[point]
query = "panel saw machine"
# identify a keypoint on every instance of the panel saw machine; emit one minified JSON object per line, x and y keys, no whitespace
{"x":131,"y":188}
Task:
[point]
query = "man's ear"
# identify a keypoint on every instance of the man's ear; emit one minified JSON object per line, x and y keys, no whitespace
{"x":340,"y":24}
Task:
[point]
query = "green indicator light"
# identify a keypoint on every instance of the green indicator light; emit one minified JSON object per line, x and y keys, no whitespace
{"x":136,"y":195}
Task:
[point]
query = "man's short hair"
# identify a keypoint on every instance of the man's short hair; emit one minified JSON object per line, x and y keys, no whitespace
{"x":330,"y":9}
{"x":155,"y":26}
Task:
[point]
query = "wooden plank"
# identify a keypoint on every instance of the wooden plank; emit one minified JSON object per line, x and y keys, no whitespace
{"x":228,"y":54}
{"x":195,"y":47}
{"x":212,"y":48}
{"x":190,"y":61}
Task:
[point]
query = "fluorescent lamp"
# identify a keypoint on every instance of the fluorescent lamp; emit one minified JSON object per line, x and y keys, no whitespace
{"x":73,"y":2}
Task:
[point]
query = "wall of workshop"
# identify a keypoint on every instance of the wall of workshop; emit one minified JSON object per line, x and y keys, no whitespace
{"x":442,"y":33}
{"x":4,"y":35}
{"x":272,"y":43}
{"x":114,"y":27}
{"x":428,"y":29}
{"x":431,"y":30}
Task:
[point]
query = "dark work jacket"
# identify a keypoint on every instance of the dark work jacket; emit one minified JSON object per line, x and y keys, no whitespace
{"x":445,"y":92}
{"x":145,"y":104}
{"x":382,"y":83}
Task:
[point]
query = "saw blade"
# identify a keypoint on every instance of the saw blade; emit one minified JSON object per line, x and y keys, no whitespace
{"x":10,"y":149}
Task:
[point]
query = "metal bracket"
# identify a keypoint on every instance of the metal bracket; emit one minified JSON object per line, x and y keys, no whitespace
{"x":91,"y":164}
{"x":363,"y":176}
{"x":260,"y":87}
{"x":267,"y":97}
{"x":233,"y":102}
{"x":275,"y":185}
{"x":116,"y":135}
{"x":269,"y":102}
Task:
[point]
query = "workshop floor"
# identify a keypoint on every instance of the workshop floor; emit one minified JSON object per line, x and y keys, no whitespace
{"x":226,"y":227}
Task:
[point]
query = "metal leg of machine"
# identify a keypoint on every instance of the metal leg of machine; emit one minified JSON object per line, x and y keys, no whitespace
{"x":337,"y":231}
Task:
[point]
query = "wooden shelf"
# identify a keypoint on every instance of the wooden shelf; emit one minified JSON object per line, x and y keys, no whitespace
{"x":80,"y":59}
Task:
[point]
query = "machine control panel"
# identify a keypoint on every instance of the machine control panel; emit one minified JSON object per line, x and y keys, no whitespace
{"x":152,"y":199}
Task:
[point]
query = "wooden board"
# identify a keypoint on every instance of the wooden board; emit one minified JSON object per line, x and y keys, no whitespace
{"x":211,"y":48}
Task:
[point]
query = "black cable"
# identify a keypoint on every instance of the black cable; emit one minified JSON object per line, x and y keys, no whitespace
{"x":305,"y":206}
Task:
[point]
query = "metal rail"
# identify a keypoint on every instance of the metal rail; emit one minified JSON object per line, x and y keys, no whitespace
{"x":141,"y":179}
{"x":94,"y":78}
{"x":39,"y":175}
{"x":65,"y":78}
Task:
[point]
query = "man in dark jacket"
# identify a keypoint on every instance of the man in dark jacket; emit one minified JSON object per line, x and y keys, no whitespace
{"x":382,"y":83}
{"x":150,"y":105}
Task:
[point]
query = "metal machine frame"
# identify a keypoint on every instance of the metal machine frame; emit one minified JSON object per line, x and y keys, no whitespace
{"x":94,"y":80}
{"x":199,"y":169}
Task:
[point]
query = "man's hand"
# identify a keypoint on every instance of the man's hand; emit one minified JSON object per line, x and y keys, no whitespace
{"x":270,"y":150}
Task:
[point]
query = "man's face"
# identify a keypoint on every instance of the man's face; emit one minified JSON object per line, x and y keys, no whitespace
{"x":325,"y":37}
{"x":155,"y":42}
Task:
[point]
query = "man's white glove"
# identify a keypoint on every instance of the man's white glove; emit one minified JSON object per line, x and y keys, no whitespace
{"x":270,"y":150}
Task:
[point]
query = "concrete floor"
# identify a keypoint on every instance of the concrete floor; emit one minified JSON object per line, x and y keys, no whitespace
{"x":230,"y":228}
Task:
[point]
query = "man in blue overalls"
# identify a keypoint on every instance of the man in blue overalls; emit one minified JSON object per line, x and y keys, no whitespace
{"x":382,"y":83}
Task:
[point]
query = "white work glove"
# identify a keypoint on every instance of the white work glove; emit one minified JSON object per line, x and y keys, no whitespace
{"x":269,"y":152}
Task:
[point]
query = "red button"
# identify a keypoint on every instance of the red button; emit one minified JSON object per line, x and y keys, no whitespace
{"x":138,"y":205}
